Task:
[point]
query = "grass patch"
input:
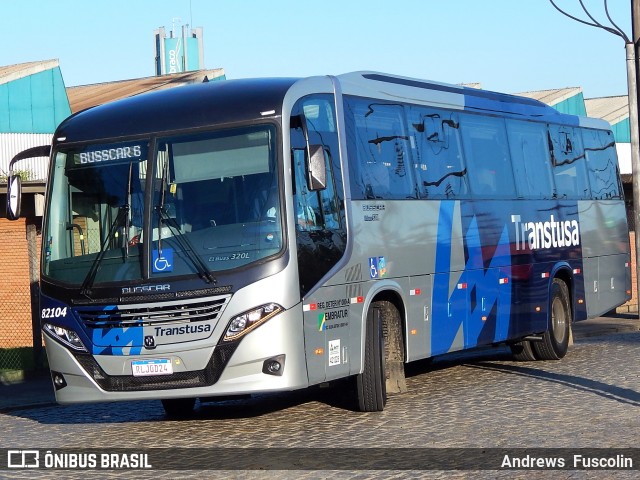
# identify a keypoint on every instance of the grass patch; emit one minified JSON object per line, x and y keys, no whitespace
{"x":21,"y":358}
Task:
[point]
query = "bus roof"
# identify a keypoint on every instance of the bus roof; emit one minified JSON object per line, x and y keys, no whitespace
{"x":229,"y":101}
{"x":189,"y":106}
{"x":411,"y":90}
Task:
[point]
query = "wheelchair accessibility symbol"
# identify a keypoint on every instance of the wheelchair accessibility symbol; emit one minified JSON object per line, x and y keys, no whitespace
{"x":377,"y":267}
{"x":163,"y":260}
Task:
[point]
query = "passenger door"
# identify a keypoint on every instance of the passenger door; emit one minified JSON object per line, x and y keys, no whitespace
{"x":320,"y":239}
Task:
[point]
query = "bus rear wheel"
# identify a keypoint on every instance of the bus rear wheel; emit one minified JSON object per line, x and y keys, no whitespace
{"x":555,"y":341}
{"x":178,"y":407}
{"x":522,"y":351}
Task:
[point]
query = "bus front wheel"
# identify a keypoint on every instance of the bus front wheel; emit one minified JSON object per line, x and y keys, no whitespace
{"x":555,"y":341}
{"x":370,"y":384}
{"x":383,"y":358}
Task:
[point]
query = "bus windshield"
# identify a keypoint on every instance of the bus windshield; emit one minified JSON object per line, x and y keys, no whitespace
{"x":205,"y":203}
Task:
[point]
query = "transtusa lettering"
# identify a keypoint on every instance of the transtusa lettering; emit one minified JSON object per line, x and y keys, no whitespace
{"x":181,"y":330}
{"x":548,"y":234}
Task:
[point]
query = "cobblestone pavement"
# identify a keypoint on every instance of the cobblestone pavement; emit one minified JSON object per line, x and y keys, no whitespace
{"x":590,"y":399}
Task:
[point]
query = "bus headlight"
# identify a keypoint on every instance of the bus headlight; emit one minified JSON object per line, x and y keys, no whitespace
{"x":242,"y":324}
{"x":65,"y":336}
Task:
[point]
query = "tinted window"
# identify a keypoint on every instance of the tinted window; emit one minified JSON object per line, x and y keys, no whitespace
{"x":319,"y":215}
{"x":97,"y":205}
{"x":602,"y":163}
{"x":216,"y":203}
{"x":530,"y":159}
{"x":487,"y":155}
{"x":379,"y":150}
{"x":569,"y":165}
{"x":437,"y":153}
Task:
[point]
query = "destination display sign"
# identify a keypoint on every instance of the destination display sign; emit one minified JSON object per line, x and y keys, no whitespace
{"x":100,"y":155}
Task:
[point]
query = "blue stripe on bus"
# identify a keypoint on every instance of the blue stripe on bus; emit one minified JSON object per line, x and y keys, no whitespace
{"x":447,"y":315}
{"x":478,"y":305}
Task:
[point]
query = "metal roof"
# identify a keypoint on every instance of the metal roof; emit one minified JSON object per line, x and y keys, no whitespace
{"x":553,"y":96}
{"x":85,"y":96}
{"x":611,"y":109}
{"x":9,"y":73}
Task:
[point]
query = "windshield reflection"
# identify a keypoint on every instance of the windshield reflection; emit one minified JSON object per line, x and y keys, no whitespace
{"x":214,"y":205}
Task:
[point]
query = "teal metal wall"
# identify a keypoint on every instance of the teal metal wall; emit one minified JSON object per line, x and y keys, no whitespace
{"x":622,"y":131}
{"x":34,"y":104}
{"x":572,"y":106}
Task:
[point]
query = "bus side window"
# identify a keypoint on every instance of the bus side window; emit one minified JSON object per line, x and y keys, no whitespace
{"x":318,"y":215}
{"x":316,"y":210}
{"x":569,"y":165}
{"x":602,"y":163}
{"x":437,"y":153}
{"x":306,"y":204}
{"x":530,"y":159}
{"x":381,"y":157}
{"x":487,"y":154}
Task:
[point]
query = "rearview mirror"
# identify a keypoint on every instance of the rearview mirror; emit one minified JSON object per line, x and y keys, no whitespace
{"x":14,"y":196}
{"x":14,"y":182}
{"x":316,"y":168}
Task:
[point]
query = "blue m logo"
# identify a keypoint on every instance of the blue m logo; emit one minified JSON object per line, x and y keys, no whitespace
{"x":114,"y":341}
{"x":470,"y":306}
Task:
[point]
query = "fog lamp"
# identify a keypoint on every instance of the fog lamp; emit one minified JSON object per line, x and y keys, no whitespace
{"x":274,"y":366}
{"x":58,"y":380}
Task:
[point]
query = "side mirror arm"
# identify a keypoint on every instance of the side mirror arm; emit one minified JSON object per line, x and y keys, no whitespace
{"x":14,"y":182}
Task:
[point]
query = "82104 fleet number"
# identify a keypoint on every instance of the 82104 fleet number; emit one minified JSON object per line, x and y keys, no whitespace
{"x":54,"y":312}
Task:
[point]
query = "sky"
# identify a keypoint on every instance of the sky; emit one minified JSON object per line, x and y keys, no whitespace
{"x":505,"y":45}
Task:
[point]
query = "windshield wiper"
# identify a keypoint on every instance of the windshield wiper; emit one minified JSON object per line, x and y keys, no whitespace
{"x":85,"y":290}
{"x":127,"y":218}
{"x":185,"y":244}
{"x":123,"y":216}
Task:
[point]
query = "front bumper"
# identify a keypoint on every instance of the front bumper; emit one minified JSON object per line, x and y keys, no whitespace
{"x":204,"y":371}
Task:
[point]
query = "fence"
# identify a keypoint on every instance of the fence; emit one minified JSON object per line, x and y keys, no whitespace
{"x":20,"y":343}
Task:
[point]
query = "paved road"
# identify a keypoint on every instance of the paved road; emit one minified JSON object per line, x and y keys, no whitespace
{"x":590,"y":399}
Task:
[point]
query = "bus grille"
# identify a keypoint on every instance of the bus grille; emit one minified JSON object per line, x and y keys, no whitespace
{"x":128,"y":383}
{"x":140,"y":315}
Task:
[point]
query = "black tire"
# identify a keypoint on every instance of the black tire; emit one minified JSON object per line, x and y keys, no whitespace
{"x":555,"y":341}
{"x":178,"y":407}
{"x":384,"y":358}
{"x":370,"y":384}
{"x":522,"y":351}
{"x":394,"y":348}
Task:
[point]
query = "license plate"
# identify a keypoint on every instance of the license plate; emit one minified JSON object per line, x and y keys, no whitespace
{"x":146,"y":368}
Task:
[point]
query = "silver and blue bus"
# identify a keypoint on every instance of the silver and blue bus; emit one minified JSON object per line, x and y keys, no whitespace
{"x":264,"y":235}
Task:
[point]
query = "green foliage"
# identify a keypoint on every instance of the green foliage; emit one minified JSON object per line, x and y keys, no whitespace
{"x":23,"y":174}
